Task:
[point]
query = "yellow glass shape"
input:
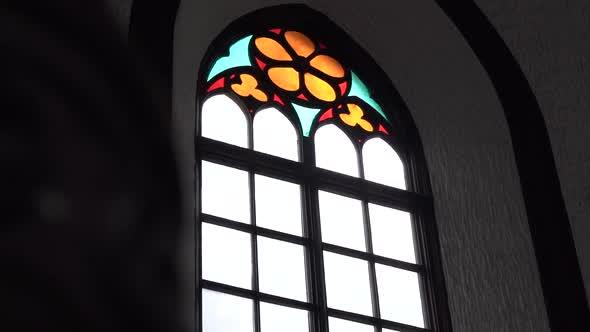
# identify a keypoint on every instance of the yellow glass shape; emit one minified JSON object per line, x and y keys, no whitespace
{"x":355,"y":116}
{"x":328,"y":65}
{"x":302,"y":45}
{"x":319,"y":88}
{"x":285,"y":78}
{"x":248,"y":87}
{"x":272,"y":49}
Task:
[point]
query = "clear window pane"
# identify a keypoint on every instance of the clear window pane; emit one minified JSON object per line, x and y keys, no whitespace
{"x":223,"y":120}
{"x":224,"y":192}
{"x":382,"y":164}
{"x":275,"y":318}
{"x":347,"y":283}
{"x":399,"y":295}
{"x":274,"y":134}
{"x":281,"y":268}
{"x":392,"y":234}
{"x":226,"y":256}
{"x":224,"y":313}
{"x":334,"y":151}
{"x":341,"y":325}
{"x":278,"y":205}
{"x":341,"y":220}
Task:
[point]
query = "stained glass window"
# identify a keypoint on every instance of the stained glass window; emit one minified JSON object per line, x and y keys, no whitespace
{"x":307,"y":218}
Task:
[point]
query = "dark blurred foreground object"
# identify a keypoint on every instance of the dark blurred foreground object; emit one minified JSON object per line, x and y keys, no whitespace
{"x":90,"y":195}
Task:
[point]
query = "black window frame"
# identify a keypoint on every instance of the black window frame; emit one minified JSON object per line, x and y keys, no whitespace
{"x":417,"y":199}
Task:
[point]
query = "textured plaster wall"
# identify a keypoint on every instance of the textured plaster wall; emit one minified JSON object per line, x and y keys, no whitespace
{"x":551,"y":42}
{"x":488,"y":258}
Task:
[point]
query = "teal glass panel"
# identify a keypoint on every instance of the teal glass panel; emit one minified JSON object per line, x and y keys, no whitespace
{"x":306,"y":116}
{"x":359,"y":89}
{"x":238,"y":56}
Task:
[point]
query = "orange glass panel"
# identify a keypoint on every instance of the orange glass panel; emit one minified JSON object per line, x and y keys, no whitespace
{"x":272,"y":49}
{"x":328,"y":65}
{"x":248,"y":87}
{"x":356,"y":117}
{"x":319,"y":88}
{"x":285,"y":78}
{"x":302,"y":45}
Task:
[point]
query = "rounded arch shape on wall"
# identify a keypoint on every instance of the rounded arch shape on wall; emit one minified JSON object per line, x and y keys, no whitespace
{"x":383,"y":103}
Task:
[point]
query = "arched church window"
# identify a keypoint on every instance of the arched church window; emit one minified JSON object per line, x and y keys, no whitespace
{"x":311,"y":211}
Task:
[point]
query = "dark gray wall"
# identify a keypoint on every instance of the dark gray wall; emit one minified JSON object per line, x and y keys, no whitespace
{"x":488,"y":258}
{"x":551,"y":41}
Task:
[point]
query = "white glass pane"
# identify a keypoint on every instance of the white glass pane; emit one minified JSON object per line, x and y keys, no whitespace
{"x":274,"y":134}
{"x":341,"y":220}
{"x":275,"y":318}
{"x":392,"y":233}
{"x":281,"y":268}
{"x":399,"y":295}
{"x":347,"y":283}
{"x":226,"y":313}
{"x":382,"y":164}
{"x":278,"y":205}
{"x":334,"y":151}
{"x":341,"y":325}
{"x":223,"y":120}
{"x":224,"y":192}
{"x":226,"y":256}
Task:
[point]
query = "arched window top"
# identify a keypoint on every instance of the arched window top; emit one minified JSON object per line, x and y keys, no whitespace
{"x":301,"y":75}
{"x":304,"y":184}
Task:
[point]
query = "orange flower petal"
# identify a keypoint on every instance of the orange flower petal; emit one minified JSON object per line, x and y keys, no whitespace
{"x":356,"y":117}
{"x":328,"y":65}
{"x":302,"y":45}
{"x":248,"y":87}
{"x":366,"y":125}
{"x":319,"y":88}
{"x":272,"y":49}
{"x":285,"y":78}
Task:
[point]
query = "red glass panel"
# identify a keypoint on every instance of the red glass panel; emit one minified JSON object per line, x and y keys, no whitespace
{"x":327,"y":115}
{"x":342,"y":87}
{"x":220,"y":83}
{"x":302,"y":96}
{"x":383,"y":130}
{"x":278,"y":100}
{"x":261,"y":64}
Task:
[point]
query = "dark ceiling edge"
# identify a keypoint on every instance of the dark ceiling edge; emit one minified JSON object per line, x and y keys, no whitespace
{"x":561,"y":278}
{"x":151,"y":31}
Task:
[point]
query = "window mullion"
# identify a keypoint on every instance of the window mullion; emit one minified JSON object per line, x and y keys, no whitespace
{"x":255,"y":278}
{"x":316,"y":277}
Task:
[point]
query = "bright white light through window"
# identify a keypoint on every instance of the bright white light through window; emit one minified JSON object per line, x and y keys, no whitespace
{"x":275,"y":318}
{"x":224,"y":313}
{"x":341,"y":219}
{"x":334,"y":151}
{"x":399,"y":295}
{"x":392,"y":233}
{"x":347,"y":283}
{"x":281,"y":267}
{"x":274,"y":134}
{"x":382,"y":164}
{"x":341,"y":325}
{"x":223,"y":120}
{"x":278,"y":205}
{"x":226,"y":256}
{"x":224,"y":192}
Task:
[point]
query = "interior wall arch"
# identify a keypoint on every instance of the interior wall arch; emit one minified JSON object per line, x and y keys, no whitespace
{"x":488,"y":258}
